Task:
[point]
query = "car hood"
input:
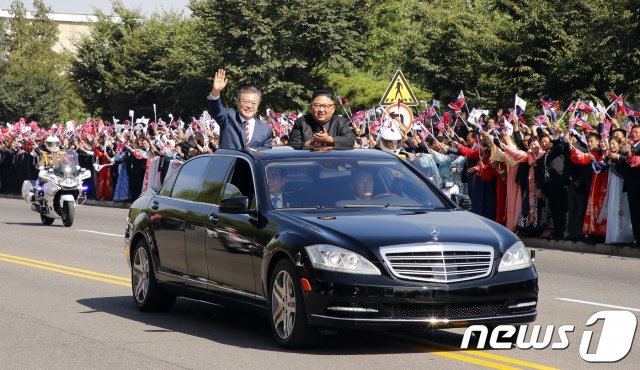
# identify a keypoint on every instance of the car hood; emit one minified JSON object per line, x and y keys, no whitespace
{"x":365,"y":228}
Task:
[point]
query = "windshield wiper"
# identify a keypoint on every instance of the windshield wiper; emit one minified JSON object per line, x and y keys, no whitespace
{"x":366,"y":205}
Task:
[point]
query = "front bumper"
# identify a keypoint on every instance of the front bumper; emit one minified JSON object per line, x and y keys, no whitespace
{"x":347,"y":301}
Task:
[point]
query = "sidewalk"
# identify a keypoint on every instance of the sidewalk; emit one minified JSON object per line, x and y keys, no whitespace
{"x":606,"y":249}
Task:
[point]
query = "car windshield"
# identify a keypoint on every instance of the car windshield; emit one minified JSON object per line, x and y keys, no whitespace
{"x":340,"y":182}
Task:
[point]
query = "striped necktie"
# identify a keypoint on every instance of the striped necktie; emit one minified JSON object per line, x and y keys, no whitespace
{"x":246,"y":131}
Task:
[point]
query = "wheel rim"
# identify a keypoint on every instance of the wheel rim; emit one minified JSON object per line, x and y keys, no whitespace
{"x":283,"y":304}
{"x":140,"y":275}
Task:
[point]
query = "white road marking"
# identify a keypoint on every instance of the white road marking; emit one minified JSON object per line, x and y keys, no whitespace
{"x":101,"y":233}
{"x":599,"y":304}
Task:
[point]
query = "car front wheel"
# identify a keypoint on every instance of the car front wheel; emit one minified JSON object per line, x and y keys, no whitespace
{"x":147,"y":295}
{"x":287,"y":315}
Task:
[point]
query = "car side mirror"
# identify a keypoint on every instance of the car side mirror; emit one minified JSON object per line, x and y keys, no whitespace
{"x":463,"y":201}
{"x":234,"y":205}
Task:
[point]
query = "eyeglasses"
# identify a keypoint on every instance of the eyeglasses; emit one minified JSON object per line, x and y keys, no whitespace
{"x":323,"y":106}
{"x":249,"y":102}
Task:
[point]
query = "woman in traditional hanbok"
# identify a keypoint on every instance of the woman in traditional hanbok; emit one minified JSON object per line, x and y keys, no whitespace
{"x":513,"y":206}
{"x":599,"y":183}
{"x":450,"y":167}
{"x":534,"y":214}
{"x":105,"y":183}
{"x":122,"y":193}
{"x":615,"y":208}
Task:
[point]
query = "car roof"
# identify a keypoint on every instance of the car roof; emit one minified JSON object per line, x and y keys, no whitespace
{"x":289,"y":153}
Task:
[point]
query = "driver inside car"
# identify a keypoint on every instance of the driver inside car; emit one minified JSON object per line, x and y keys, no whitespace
{"x":362,"y":185}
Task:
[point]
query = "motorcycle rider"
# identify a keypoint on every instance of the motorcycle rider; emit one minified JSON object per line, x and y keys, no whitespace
{"x":45,"y":155}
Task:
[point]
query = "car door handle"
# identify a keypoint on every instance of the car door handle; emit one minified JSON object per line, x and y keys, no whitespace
{"x":213,"y":219}
{"x":155,"y":205}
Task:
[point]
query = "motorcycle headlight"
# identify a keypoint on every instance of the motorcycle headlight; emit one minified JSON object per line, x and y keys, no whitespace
{"x":515,"y":258}
{"x":332,"y":258}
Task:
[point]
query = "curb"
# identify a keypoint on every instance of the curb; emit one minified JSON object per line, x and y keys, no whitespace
{"x":602,"y":249}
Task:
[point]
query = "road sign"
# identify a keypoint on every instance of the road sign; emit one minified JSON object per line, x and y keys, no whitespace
{"x":399,"y":92}
{"x":402,"y":114}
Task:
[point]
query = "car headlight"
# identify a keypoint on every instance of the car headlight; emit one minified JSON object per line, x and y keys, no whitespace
{"x":332,"y":258}
{"x":515,"y":258}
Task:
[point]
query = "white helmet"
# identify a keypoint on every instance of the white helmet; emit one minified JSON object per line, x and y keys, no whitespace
{"x":52,"y":143}
{"x":390,"y":139}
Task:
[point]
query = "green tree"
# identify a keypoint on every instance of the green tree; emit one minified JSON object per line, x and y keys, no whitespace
{"x":32,"y":81}
{"x":283,"y":47}
{"x":131,"y":62}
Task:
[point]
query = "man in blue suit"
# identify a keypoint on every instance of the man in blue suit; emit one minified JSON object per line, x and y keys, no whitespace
{"x":239,"y":129}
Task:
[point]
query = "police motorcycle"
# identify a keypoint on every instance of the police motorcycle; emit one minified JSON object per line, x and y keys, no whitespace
{"x":390,"y":140}
{"x":59,"y":188}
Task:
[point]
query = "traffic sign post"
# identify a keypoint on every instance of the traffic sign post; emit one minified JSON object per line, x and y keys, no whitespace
{"x":402,"y":114}
{"x":399,"y":92}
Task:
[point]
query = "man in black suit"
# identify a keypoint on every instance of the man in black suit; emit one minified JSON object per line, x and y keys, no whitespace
{"x":276,"y":180}
{"x":322,"y":128}
{"x":552,"y":178}
{"x":239,"y":129}
{"x":632,"y":180}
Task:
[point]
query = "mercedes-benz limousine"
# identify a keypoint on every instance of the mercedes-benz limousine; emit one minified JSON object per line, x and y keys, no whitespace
{"x":320,"y":241}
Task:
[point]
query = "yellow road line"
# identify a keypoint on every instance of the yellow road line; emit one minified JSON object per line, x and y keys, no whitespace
{"x":67,"y":272}
{"x":493,"y":356}
{"x":122,"y":281}
{"x":472,"y":360}
{"x":467,"y":353}
{"x":49,"y":264}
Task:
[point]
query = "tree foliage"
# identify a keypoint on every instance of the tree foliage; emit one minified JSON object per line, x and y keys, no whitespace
{"x":129,"y":62}
{"x":284,"y":47}
{"x":32,"y":81}
{"x":491,"y":49}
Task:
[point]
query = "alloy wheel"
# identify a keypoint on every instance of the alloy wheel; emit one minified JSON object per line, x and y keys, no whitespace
{"x":141,"y":275}
{"x":283,"y":304}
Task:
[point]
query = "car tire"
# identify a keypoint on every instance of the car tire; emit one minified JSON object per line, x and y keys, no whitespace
{"x":287,"y":314}
{"x":147,"y":295}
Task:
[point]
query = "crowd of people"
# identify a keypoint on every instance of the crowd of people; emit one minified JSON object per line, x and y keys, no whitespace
{"x":578,"y":183}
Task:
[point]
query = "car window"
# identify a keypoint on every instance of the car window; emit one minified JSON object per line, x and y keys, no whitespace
{"x":241,"y":181}
{"x":189,"y":179}
{"x":337,"y":182}
{"x":165,"y":191}
{"x":214,"y":177}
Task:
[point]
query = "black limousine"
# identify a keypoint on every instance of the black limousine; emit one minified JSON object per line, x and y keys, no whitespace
{"x":320,"y":241}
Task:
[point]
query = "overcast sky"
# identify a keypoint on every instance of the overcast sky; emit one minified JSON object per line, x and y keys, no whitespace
{"x":89,"y":6}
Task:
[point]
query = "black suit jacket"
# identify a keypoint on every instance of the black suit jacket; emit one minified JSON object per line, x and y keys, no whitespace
{"x":631,"y":174}
{"x":339,"y":128}
{"x":232,"y":134}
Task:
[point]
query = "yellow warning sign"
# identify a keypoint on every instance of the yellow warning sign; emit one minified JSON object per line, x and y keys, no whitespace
{"x":399,"y":92}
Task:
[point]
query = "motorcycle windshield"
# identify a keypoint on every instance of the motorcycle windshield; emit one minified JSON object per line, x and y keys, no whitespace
{"x":65,"y":163}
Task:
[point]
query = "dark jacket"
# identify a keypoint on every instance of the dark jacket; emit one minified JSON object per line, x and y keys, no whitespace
{"x":339,"y":128}
{"x":232,"y":134}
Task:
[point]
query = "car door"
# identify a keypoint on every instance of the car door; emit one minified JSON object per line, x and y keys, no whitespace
{"x":168,"y":212}
{"x":229,"y":255}
{"x":202,"y":219}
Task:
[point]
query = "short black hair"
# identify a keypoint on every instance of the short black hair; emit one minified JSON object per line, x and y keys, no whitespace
{"x":326,"y":93}
{"x":624,"y":132}
{"x":593,"y":134}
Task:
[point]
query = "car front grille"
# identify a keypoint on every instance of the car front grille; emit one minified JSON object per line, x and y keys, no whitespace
{"x":440,"y":263}
{"x":442,"y":311}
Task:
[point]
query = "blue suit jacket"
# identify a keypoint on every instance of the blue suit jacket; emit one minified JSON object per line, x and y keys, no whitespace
{"x":232,"y":135}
